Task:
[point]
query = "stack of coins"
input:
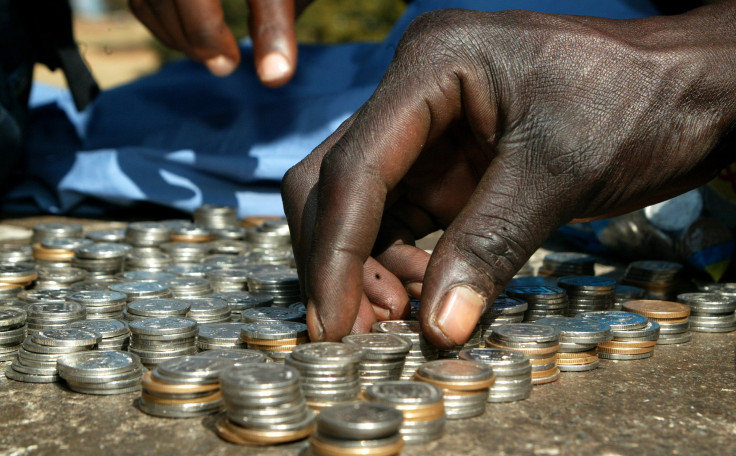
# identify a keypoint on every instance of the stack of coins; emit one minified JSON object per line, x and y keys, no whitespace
{"x":54,"y":315}
{"x":579,"y":341}
{"x":12,"y":331}
{"x":115,"y":334}
{"x":215,"y":262}
{"x":474,"y":341}
{"x":263,"y":406}
{"x":243,"y":300}
{"x":58,"y":278}
{"x":420,"y":403}
{"x":157,"y":340}
{"x":101,"y":372}
{"x":102,"y":260}
{"x":47,"y":231}
{"x":100,"y":304}
{"x":513,"y":371}
{"x":710,"y":312}
{"x":421,"y":350}
{"x":328,"y":371}
{"x":282,"y":284}
{"x":540,"y":342}
{"x":147,"y":259}
{"x":191,"y":234}
{"x":634,"y":337}
{"x":231,"y":233}
{"x":147,"y":234}
{"x":238,"y":357}
{"x":146,"y":276}
{"x":141,"y":290}
{"x":213,"y":336}
{"x":226,"y":280}
{"x":156,"y":308}
{"x":673,"y":319}
{"x":384,"y":356}
{"x":543,"y":300}
{"x":185,"y":387}
{"x":228,"y":246}
{"x":21,"y":274}
{"x":208,"y":310}
{"x":15,"y":253}
{"x":465,"y":384}
{"x":105,"y":236}
{"x":365,"y":428}
{"x":504,"y":311}
{"x":186,"y":252}
{"x":588,"y":293}
{"x":626,"y":293}
{"x":267,"y":239}
{"x":211,"y":216}
{"x":37,"y":356}
{"x":567,"y":263}
{"x":660,"y":279}
{"x":272,"y":314}
{"x":276,"y":339}
{"x":189,"y":287}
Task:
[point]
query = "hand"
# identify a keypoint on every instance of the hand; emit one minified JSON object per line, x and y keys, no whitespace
{"x":197,"y":28}
{"x":500,"y":128}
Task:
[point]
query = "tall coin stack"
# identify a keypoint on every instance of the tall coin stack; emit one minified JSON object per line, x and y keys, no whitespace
{"x":328,"y":371}
{"x":12,"y":331}
{"x":115,"y":334}
{"x":543,"y":300}
{"x":567,"y":263}
{"x":208,"y":310}
{"x":276,"y":339}
{"x":156,"y":308}
{"x":540,"y":342}
{"x":100,"y":304}
{"x":513,"y":371}
{"x":504,"y":310}
{"x":243,"y":300}
{"x":634,"y":336}
{"x":384,"y":356}
{"x":211,"y":216}
{"x":102,"y":260}
{"x":421,"y":350}
{"x":710,"y":312}
{"x":465,"y":384}
{"x":659,"y":278}
{"x":263,"y":406}
{"x":101,"y":372}
{"x":214,"y":336}
{"x":282,"y":284}
{"x":626,"y":293}
{"x":141,"y":290}
{"x":588,"y":293}
{"x":54,"y":315}
{"x":365,"y":428}
{"x":673,"y":319}
{"x":157,"y":340}
{"x":421,"y":404}
{"x":579,"y":341}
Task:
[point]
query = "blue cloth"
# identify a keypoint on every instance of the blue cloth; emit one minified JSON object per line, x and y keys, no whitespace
{"x":182,"y":138}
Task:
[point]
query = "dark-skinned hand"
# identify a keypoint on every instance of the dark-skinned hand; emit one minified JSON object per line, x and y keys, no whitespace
{"x":499,"y":128}
{"x":197,"y":28}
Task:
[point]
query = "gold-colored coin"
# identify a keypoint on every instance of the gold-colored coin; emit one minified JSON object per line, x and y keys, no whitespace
{"x":174,"y":401}
{"x":544,"y":373}
{"x":578,"y":355}
{"x":155,"y":386}
{"x":627,"y":344}
{"x":457,"y":386}
{"x":254,"y":221}
{"x":245,"y":436}
{"x":543,"y":361}
{"x":328,"y":449}
{"x":651,"y":308}
{"x":625,"y":351}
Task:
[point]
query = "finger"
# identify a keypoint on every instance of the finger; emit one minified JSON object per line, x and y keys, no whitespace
{"x":408,"y":264}
{"x":143,"y":12}
{"x":274,"y":41}
{"x":366,"y":317}
{"x":385,"y":291}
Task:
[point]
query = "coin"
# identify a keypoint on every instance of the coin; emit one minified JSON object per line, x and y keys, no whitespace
{"x":359,"y":421}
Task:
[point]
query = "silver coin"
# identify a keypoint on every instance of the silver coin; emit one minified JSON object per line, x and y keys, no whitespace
{"x":625,"y":357}
{"x":273,"y":330}
{"x":161,"y":326}
{"x":327,"y":352}
{"x":106,"y":328}
{"x":617,"y":320}
{"x":404,"y":392}
{"x":260,"y":376}
{"x":236,"y":357}
{"x":159,"y":307}
{"x":13,"y":374}
{"x":359,"y":421}
{"x":191,"y":369}
{"x":379,"y":344}
{"x":579,"y":367}
{"x":190,"y":410}
{"x":665,"y":339}
{"x":11,"y":317}
{"x":526,"y":332}
{"x":456,"y":370}
{"x":65,"y":337}
{"x":96,"y":363}
{"x":579,"y":330}
{"x":271,"y":314}
{"x":649,"y":332}
{"x":219,"y":332}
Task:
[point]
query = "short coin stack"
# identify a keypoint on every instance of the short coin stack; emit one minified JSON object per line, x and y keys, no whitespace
{"x":579,"y":341}
{"x":673,"y":319}
{"x":505,"y":310}
{"x":211,"y":216}
{"x":540,"y":342}
{"x":276,"y":339}
{"x":659,"y":278}
{"x":17,"y":274}
{"x":240,"y":301}
{"x":421,"y":404}
{"x":101,"y":372}
{"x":156,"y":308}
{"x":710,"y":312}
{"x":238,"y":357}
{"x":421,"y":350}
{"x":543,"y":300}
{"x":513,"y":372}
{"x":101,"y":260}
{"x":465,"y":384}
{"x":147,"y":234}
{"x":54,"y":315}
{"x":184,"y":387}
{"x":47,"y":231}
{"x":627,"y":293}
{"x":213,"y":336}
{"x":328,"y":370}
{"x":100,"y":304}
{"x":634,"y":336}
{"x":228,"y":280}
{"x":588,"y":293}
{"x":282,"y":284}
{"x":567,"y":263}
{"x":12,"y":331}
{"x":263,"y":406}
{"x":208,"y":310}
{"x":364,"y":428}
{"x":57,"y":252}
{"x":157,"y":340}
{"x":189,"y":287}
{"x":187,"y":252}
{"x":115,"y":334}
{"x":58,"y":278}
{"x":384,"y":356}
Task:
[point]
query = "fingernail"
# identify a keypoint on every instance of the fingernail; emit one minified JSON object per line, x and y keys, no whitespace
{"x":273,"y":67}
{"x":314,"y":323}
{"x":414,"y":289}
{"x":381,"y":313}
{"x":459,"y":313}
{"x":220,"y":65}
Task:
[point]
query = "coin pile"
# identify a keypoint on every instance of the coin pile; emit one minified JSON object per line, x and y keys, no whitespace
{"x":115,"y":334}
{"x":465,"y":384}
{"x":365,"y":428}
{"x":588,"y":293}
{"x":147,"y":234}
{"x":567,"y":263}
{"x":104,"y":236}
{"x":226,"y":280}
{"x":186,"y":252}
{"x":189,"y":287}
{"x":384,"y":356}
{"x":191,"y":234}
{"x":579,"y":341}
{"x":21,"y":274}
{"x":100,"y":304}
{"x":157,"y":340}
{"x":156,"y":308}
{"x":660,"y":279}
{"x":141,"y":290}
{"x":634,"y":336}
{"x":710,"y":312}
{"x":47,"y":231}
{"x":102,"y":260}
{"x":504,"y":310}
{"x":282,"y":284}
{"x":213,"y":336}
{"x":147,"y":259}
{"x":272,"y":314}
{"x":37,"y":356}
{"x":243,"y":300}
{"x":421,"y":350}
{"x":54,"y":315}
{"x":420,"y":403}
{"x":263,"y":406}
{"x":513,"y":371}
{"x":211,"y":216}
{"x":328,"y":371}
{"x":673,"y":319}
{"x":627,"y":293}
{"x":543,"y":300}
{"x":12,"y":331}
{"x":185,"y":387}
{"x":101,"y":372}
{"x":276,"y":339}
{"x":540,"y":342}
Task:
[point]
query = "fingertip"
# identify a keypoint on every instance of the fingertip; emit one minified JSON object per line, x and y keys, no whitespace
{"x":314,"y":323}
{"x":414,"y":289}
{"x":457,"y":314}
{"x":274,"y":69}
{"x":220,"y":65}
